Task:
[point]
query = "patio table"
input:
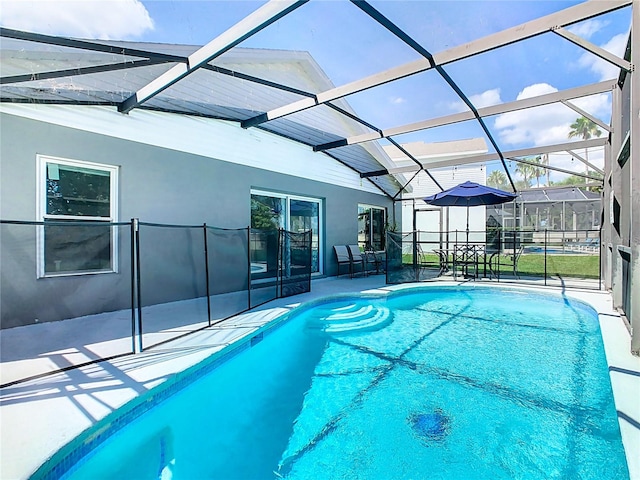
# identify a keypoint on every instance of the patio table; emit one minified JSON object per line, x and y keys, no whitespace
{"x":465,"y":256}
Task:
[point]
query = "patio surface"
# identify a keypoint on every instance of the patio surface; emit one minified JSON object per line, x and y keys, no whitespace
{"x":40,"y":416}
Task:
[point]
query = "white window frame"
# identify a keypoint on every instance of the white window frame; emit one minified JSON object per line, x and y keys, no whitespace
{"x":288,"y":198}
{"x":41,"y":193}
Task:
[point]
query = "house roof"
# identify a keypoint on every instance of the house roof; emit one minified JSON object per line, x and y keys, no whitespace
{"x":242,"y":84}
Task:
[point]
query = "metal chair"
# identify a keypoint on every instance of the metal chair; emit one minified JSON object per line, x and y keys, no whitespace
{"x":510,"y":260}
{"x":356,"y":259}
{"x":343,"y":258}
{"x":465,"y":256}
{"x":443,"y":258}
{"x":371,"y":257}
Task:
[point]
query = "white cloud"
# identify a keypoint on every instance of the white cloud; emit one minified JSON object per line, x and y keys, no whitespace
{"x":602,"y":68}
{"x":587,"y":28}
{"x":548,"y":124}
{"x":487,"y":98}
{"x":101,"y":19}
{"x":484,"y":99}
{"x":535,"y":90}
{"x":397,"y":100}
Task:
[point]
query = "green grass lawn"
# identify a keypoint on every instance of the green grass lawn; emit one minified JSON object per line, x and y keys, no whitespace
{"x":532,"y":264}
{"x":575,"y":266}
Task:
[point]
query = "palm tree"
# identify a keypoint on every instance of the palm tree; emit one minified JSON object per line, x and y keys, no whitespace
{"x":497,"y":179}
{"x":545,"y":161}
{"x":526,"y":171}
{"x":538,"y":169}
{"x":584,"y":128}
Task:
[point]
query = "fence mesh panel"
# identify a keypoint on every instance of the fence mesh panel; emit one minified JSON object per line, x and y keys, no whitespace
{"x":172,"y":282}
{"x":77,"y":292}
{"x":228,"y":271}
{"x":572,"y":257}
{"x":558,"y":258}
{"x":402,"y":258}
{"x":295,"y":263}
{"x":190,"y":280}
{"x":55,"y":311}
{"x":265,"y":265}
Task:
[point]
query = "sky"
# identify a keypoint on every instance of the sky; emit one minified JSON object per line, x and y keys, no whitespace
{"x":348,"y":45}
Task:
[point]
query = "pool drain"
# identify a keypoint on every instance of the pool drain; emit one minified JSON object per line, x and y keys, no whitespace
{"x":433,"y":426}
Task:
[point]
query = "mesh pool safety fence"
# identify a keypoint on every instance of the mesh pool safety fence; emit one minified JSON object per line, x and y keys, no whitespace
{"x":78,"y":292}
{"x":554,"y":257}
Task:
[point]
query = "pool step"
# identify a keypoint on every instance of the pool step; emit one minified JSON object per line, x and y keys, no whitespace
{"x":350,"y":318}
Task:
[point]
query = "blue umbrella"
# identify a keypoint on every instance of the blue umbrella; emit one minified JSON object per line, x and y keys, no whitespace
{"x":470,"y":194}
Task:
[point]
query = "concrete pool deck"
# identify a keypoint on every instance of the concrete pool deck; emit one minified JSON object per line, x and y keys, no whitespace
{"x":40,"y":416}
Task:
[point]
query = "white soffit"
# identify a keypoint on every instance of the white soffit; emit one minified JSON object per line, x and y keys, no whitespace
{"x":216,"y":139}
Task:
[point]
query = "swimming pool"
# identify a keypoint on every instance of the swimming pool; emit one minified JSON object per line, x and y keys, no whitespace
{"x":558,"y":250}
{"x":430,"y":383}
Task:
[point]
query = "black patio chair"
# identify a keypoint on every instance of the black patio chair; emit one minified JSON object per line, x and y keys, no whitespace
{"x":465,"y":257}
{"x":505,"y":260}
{"x":357,"y":259}
{"x":343,"y":258}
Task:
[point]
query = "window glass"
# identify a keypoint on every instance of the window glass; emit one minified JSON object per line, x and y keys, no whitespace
{"x":77,"y":206}
{"x":371,"y":227}
{"x":78,"y":191}
{"x":377,"y":228}
{"x":267,"y":213}
{"x":364,"y":215}
{"x":292,"y":213}
{"x":77,"y":248}
{"x":305,"y":216}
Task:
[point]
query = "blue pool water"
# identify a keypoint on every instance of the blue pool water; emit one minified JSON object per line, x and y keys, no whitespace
{"x":441,"y":383}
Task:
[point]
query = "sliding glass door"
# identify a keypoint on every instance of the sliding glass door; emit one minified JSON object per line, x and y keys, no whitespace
{"x":305,"y":215}
{"x":371,"y":227}
{"x":294,"y":213}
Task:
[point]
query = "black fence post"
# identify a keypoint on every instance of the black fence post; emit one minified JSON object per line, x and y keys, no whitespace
{"x":309,"y":246}
{"x":138,"y":287}
{"x":545,"y":256}
{"x":249,"y":267}
{"x":600,"y":258}
{"x":501,"y":244}
{"x":279,"y":268}
{"x":206,"y":270}
{"x":133,"y":285}
{"x":416,"y":273}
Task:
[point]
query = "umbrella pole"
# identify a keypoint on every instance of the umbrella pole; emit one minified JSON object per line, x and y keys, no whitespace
{"x":467,"y":224}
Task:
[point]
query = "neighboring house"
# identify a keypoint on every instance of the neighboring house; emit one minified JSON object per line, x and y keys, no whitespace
{"x":446,"y":163}
{"x":61,"y":159}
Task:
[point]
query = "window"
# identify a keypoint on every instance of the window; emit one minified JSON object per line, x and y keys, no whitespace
{"x":271,"y":211}
{"x":75,"y":199}
{"x":371,"y":227}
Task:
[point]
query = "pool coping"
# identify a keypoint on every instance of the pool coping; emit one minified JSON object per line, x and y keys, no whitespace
{"x":624,"y":371}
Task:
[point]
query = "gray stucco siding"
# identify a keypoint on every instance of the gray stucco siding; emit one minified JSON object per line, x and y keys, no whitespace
{"x":156,"y":185}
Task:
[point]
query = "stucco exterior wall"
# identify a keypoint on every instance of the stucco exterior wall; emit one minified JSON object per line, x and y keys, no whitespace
{"x":159,"y":185}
